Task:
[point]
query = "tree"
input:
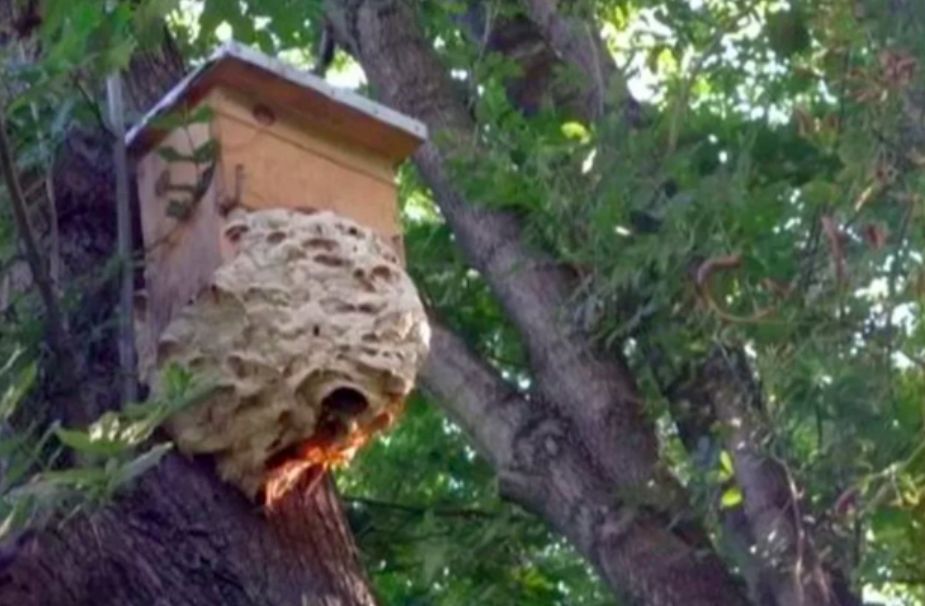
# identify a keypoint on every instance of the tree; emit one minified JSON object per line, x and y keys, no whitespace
{"x":180,"y":536}
{"x":681,"y":329}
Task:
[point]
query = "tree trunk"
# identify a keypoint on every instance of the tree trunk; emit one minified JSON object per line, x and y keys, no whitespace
{"x":182,"y":538}
{"x":178,"y":536}
{"x":724,"y":390}
{"x":545,"y":468}
{"x":579,"y":451}
{"x":576,"y":449}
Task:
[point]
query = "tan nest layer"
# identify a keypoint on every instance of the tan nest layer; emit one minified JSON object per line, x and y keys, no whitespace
{"x":313,"y":334}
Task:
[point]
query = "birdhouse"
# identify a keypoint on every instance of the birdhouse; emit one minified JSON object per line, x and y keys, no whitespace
{"x":247,"y":131}
{"x":273,"y":262}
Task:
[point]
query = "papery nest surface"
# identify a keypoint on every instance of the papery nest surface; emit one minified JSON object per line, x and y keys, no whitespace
{"x":312,"y":333}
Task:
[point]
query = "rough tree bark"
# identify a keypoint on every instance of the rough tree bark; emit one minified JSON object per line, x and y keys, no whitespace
{"x":579,"y":452}
{"x":723,"y":390}
{"x":179,"y":536}
{"x":531,"y":444}
{"x":576,"y":449}
{"x":182,"y":538}
{"x":578,"y":44}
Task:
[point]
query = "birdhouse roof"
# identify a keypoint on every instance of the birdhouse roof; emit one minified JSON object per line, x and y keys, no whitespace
{"x":347,"y":114}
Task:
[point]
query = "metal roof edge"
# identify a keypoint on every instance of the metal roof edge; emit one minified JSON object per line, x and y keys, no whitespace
{"x":235,"y":50}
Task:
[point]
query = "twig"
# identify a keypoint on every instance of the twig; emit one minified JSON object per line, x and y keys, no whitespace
{"x":54,"y":262}
{"x":47,"y":154}
{"x":702,"y":281}
{"x":473,"y":85}
{"x":441,"y":511}
{"x":895,"y":271}
{"x":94,"y":107}
{"x":600,"y":84}
{"x":124,"y":244}
{"x":681,"y":106}
{"x":57,"y":333}
{"x":834,"y":235}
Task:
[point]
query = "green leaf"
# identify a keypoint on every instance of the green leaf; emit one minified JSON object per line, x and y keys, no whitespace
{"x":148,"y":20}
{"x":171,"y":154}
{"x":140,"y":464}
{"x":84,"y":443}
{"x":203,"y":114}
{"x":119,"y":55}
{"x":178,"y":118}
{"x":80,"y":478}
{"x":20,"y":383}
{"x":179,"y":209}
{"x":176,"y":381}
{"x":727,"y":469}
{"x":732,"y":497}
{"x":433,"y":555}
{"x":576,"y":130}
{"x":168,"y":121}
{"x":787,"y":32}
{"x":207,"y":152}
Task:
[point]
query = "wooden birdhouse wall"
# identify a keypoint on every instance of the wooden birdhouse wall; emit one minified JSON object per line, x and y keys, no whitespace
{"x":267,"y":157}
{"x":180,"y":254}
{"x":287,"y":159}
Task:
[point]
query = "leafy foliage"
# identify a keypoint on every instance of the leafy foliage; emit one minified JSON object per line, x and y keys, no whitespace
{"x":433,"y":531}
{"x":767,"y":124}
{"x":783,"y":138}
{"x":203,"y":157}
{"x":48,"y":471}
{"x":35,"y":488}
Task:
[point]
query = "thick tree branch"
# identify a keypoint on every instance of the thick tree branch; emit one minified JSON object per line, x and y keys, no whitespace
{"x":487,"y":408}
{"x":180,"y":537}
{"x":544,"y":468}
{"x":588,"y":400}
{"x":578,"y":43}
{"x":537,"y":83}
{"x":695,"y":420}
{"x":600,"y":394}
{"x":792,"y":569}
{"x":124,"y":249}
{"x":580,"y":46}
{"x":596,"y":397}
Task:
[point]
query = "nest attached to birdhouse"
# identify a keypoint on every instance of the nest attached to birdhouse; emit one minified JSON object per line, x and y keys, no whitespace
{"x":313,"y":334}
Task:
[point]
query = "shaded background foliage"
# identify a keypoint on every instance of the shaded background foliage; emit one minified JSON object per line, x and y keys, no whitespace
{"x":787,"y":134}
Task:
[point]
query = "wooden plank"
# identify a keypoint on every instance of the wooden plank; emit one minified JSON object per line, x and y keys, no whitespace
{"x":350,"y":116}
{"x":344,"y":121}
{"x":180,"y":255}
{"x":279,"y":166}
{"x":252,"y":110}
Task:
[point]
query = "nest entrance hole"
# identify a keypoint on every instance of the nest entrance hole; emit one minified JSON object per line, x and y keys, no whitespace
{"x":337,"y":408}
{"x":346,"y":401}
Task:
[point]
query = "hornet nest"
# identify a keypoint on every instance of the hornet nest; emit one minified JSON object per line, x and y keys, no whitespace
{"x":312,"y":334}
